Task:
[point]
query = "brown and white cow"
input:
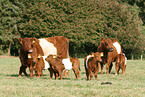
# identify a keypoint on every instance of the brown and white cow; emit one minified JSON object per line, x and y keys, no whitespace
{"x":58,"y":64}
{"x":57,"y":45}
{"x":91,"y":64}
{"x":111,"y":49}
{"x":121,"y":60}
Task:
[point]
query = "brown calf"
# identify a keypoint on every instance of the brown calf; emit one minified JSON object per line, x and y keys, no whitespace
{"x":56,"y":65}
{"x":42,"y":64}
{"x":121,"y":60}
{"x":75,"y":66}
{"x":91,"y":63}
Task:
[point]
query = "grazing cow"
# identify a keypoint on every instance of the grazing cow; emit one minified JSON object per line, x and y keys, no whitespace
{"x":121,"y":60}
{"x":91,"y":64}
{"x":57,"y":45}
{"x":28,"y":55}
{"x":111,"y":49}
{"x":58,"y":64}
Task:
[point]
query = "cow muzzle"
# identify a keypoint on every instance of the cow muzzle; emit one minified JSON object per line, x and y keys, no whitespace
{"x":111,"y":49}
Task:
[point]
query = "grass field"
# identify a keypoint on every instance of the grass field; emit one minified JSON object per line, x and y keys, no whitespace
{"x":132,"y":84}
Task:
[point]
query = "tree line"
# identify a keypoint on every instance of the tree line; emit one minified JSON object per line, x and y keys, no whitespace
{"x":83,"y":22}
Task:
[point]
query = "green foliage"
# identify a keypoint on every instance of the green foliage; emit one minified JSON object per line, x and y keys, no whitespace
{"x":83,"y":22}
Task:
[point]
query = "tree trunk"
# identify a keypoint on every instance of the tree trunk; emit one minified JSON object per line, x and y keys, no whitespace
{"x":9,"y":53}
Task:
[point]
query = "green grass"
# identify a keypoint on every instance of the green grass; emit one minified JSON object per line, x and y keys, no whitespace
{"x":131,"y":84}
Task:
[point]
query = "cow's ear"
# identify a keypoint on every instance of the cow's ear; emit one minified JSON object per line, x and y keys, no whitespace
{"x":20,"y":40}
{"x":102,"y":39}
{"x":114,"y":40}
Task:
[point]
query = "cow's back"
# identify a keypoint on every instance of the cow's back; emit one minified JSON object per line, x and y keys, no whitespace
{"x":57,"y":45}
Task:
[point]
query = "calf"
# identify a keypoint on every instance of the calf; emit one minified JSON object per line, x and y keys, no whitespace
{"x":75,"y":66}
{"x":56,"y":65}
{"x":41,"y":65}
{"x":59,"y":64}
{"x":121,"y":60}
{"x":91,"y":64}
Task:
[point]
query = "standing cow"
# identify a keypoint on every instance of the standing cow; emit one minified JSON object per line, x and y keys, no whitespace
{"x":57,"y":45}
{"x":111,"y":49}
{"x":91,"y":64}
{"x":28,"y":55}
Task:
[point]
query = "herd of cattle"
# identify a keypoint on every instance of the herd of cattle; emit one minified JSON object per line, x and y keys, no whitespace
{"x":53,"y":54}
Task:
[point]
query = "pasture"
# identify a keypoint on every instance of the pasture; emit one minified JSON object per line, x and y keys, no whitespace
{"x":131,"y":84}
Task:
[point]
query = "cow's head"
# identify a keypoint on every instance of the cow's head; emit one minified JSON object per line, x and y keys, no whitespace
{"x":97,"y":56}
{"x":105,"y":45}
{"x":28,"y":46}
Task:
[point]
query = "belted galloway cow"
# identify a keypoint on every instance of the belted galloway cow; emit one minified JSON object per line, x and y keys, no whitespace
{"x":111,"y":49}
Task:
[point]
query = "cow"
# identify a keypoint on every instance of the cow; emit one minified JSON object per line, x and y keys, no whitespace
{"x":91,"y":64}
{"x":121,"y":60}
{"x":59,"y":64}
{"x":110,"y":49}
{"x":28,"y":55}
{"x":57,"y":45}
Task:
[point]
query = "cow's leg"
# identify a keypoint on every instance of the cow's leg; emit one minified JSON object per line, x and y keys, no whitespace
{"x":123,"y":68}
{"x":60,"y":74}
{"x":102,"y":66}
{"x":51,"y":72}
{"x":22,"y":69}
{"x":31,"y":71}
{"x":87,"y":74}
{"x":108,"y":65}
{"x":117,"y":67}
{"x":96,"y":74}
{"x":42,"y":73}
{"x":91,"y":74}
{"x":76,"y":72}
{"x":56,"y":76}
